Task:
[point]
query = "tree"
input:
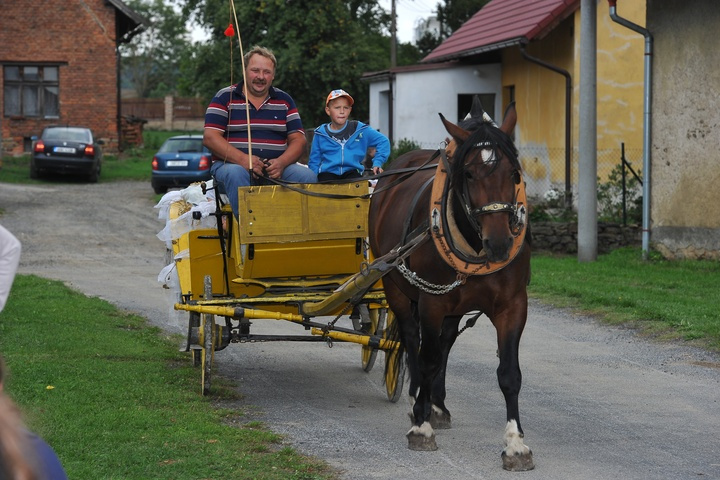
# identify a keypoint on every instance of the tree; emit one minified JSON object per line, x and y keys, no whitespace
{"x":453,"y":13}
{"x":320,"y":46}
{"x":427,"y":43}
{"x":151,"y":60}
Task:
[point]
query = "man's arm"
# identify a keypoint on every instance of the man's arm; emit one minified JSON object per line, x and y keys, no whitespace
{"x":221,"y":148}
{"x":294,"y":151}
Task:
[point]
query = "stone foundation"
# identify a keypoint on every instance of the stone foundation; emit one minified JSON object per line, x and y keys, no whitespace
{"x":562,"y":237}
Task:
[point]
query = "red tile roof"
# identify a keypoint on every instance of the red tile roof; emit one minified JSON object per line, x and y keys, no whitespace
{"x":502,"y":23}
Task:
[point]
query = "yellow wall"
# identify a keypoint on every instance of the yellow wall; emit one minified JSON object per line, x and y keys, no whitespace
{"x":540,"y":96}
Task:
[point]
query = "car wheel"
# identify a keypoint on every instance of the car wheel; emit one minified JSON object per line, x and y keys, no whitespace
{"x":95,"y":174}
{"x":159,"y":189}
{"x":34,"y":172}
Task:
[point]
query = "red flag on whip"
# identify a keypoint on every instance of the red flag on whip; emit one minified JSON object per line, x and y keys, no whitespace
{"x":230,"y":31}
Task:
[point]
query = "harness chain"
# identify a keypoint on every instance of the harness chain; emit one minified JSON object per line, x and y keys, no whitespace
{"x":426,"y":286}
{"x":331,"y":325}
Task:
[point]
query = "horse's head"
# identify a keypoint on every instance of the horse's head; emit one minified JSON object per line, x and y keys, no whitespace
{"x":484,"y":174}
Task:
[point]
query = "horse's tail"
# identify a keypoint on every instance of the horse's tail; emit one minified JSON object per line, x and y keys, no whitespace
{"x":392,"y":332}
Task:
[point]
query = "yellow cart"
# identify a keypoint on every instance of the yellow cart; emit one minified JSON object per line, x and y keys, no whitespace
{"x":294,"y":254}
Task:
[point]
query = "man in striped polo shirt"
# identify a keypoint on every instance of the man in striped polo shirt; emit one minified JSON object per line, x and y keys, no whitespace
{"x":277,"y":139}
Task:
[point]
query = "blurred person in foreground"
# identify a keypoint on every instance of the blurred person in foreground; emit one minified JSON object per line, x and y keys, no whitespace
{"x":10,"y":249}
{"x":23,"y":455}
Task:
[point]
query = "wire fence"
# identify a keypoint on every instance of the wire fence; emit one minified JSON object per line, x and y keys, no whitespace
{"x":548,"y":169}
{"x":552,"y":176}
{"x":552,"y":181}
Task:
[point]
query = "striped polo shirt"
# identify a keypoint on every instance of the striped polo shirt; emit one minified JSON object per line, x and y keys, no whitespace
{"x":271,"y":124}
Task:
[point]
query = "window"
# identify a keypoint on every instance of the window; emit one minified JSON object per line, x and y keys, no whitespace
{"x":31,"y":91}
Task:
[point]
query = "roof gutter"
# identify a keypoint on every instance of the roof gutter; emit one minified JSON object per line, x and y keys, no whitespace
{"x":647,"y":120}
{"x":568,"y":123}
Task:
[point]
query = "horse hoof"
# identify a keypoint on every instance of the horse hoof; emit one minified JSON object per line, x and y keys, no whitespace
{"x":421,"y":443}
{"x":440,"y":420}
{"x":520,"y":462}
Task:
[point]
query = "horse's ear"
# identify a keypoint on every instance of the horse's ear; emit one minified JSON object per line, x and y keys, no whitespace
{"x":459,"y":134}
{"x":509,"y":119}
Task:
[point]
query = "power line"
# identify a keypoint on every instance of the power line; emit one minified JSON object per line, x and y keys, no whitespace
{"x":417,"y":6}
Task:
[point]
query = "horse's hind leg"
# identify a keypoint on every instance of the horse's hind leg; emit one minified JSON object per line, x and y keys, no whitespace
{"x":421,"y":435}
{"x":440,"y":417}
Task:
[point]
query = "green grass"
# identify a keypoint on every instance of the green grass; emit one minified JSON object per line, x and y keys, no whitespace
{"x":116,"y":399}
{"x":668,"y":299}
{"x":132,"y":164}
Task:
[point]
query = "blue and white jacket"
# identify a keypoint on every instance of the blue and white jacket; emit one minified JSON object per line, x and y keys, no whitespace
{"x":329,"y":155}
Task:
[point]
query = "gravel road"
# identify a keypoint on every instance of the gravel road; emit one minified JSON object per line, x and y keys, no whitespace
{"x":597,"y":402}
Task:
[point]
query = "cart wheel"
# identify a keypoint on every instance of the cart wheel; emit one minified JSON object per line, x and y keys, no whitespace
{"x":196,"y":356}
{"x":207,"y":340}
{"x":207,"y":334}
{"x":394,"y":368}
{"x":195,"y":352}
{"x":377,"y":324}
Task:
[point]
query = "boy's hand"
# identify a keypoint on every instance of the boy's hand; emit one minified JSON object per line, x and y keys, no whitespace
{"x":377,"y":170}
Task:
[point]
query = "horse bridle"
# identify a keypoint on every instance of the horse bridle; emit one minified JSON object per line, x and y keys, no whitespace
{"x":472,"y":214}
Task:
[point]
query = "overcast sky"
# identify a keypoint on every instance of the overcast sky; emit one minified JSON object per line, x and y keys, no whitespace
{"x":408,"y":12}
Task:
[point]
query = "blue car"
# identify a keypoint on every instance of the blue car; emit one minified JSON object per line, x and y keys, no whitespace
{"x":181,"y":160}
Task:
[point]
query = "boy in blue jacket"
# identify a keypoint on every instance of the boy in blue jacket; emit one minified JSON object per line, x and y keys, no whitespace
{"x":339,"y":147}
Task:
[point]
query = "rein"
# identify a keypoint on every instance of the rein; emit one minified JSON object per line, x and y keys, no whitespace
{"x":404,"y":174}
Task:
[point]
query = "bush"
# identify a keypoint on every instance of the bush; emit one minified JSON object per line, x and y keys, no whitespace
{"x":610,"y":197}
{"x":551,"y":208}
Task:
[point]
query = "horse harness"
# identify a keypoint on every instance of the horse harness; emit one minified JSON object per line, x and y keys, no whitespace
{"x":449,"y":242}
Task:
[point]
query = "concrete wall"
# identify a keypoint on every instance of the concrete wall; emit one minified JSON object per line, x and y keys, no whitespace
{"x":685,"y":128}
{"x":421,"y":94}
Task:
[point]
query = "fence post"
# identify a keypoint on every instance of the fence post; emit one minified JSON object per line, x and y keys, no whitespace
{"x":624,"y":189}
{"x":168,"y":112}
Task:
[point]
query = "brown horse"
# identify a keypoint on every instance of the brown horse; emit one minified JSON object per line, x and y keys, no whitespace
{"x":479,"y":260}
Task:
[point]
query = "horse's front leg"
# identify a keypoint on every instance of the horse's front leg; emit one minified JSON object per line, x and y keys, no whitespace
{"x":516,"y":455}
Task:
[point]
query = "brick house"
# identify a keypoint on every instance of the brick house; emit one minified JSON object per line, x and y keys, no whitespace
{"x":59,"y":64}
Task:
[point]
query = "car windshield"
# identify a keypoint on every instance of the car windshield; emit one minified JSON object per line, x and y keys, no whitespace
{"x":68,"y":134}
{"x":180,"y":145}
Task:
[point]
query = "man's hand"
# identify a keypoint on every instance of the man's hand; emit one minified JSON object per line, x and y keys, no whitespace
{"x":258,"y":166}
{"x":274,"y":168}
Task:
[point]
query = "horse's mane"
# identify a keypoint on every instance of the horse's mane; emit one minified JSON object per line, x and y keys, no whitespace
{"x":482,"y":133}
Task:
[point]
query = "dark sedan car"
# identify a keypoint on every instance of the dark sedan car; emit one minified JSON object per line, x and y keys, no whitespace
{"x":65,"y":149}
{"x":181,"y":160}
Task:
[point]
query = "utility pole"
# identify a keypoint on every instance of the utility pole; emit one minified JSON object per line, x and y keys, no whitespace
{"x":393,"y":36}
{"x":587,"y":172}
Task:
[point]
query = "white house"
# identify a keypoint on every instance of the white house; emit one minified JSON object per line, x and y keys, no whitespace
{"x":421,"y":92}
